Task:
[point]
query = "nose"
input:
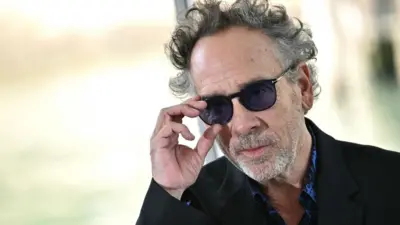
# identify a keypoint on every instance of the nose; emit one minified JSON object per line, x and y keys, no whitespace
{"x":243,"y":121}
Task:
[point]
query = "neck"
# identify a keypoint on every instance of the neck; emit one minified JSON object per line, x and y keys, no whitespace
{"x":284,"y":192}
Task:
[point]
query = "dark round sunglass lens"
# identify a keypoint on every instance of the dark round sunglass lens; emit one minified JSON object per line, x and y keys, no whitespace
{"x":259,"y":96}
{"x":219,"y":111}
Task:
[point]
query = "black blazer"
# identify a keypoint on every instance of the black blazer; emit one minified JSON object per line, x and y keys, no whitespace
{"x":355,"y":184}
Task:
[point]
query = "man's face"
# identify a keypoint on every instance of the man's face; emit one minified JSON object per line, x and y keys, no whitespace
{"x":263,"y":144}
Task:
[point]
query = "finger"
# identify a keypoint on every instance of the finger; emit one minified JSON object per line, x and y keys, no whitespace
{"x":174,"y":113}
{"x":199,"y":105}
{"x":193,"y":109}
{"x":190,"y":108}
{"x":196,"y":103}
{"x":194,"y":98}
{"x":183,"y":130}
{"x":206,"y":141}
{"x":181,"y":111}
{"x":176,"y":128}
{"x":159,"y":143}
{"x":168,"y":136}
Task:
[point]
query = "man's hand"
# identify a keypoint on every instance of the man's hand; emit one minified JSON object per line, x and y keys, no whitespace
{"x":175,"y":167}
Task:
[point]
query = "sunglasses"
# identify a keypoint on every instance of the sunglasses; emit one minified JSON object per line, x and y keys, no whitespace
{"x":256,"y":96}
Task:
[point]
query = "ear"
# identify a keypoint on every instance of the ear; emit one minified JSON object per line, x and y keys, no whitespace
{"x":305,"y":85}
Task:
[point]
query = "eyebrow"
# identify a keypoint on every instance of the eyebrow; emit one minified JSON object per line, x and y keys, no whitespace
{"x":252,"y":81}
{"x":241,"y":86}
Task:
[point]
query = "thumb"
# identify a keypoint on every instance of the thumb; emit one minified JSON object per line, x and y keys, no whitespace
{"x":206,"y":141}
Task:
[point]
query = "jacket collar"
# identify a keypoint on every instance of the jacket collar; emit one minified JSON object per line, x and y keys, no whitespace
{"x":336,"y":188}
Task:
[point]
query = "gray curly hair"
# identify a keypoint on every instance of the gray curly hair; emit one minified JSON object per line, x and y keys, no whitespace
{"x":292,"y":38}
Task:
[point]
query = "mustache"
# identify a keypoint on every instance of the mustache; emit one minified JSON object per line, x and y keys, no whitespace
{"x":254,"y":139}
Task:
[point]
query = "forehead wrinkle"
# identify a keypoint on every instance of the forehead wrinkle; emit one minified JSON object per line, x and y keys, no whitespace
{"x":234,"y":87}
{"x":218,"y":86}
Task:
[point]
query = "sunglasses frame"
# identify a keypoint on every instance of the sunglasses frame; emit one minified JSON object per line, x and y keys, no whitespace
{"x":238,"y":94}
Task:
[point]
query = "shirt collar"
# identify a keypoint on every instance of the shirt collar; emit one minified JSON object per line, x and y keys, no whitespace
{"x":309,"y":187}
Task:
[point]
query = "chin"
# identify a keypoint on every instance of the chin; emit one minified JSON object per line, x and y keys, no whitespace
{"x":267,"y":170}
{"x":260,"y":172}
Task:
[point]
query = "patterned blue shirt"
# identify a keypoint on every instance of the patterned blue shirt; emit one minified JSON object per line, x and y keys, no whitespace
{"x":307,"y":198}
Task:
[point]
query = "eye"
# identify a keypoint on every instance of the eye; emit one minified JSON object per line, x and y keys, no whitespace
{"x":258,"y":88}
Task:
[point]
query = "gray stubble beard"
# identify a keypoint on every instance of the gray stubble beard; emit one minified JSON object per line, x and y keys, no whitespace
{"x":282,"y":161}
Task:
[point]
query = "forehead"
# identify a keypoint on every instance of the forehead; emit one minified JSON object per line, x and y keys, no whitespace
{"x":224,"y":62}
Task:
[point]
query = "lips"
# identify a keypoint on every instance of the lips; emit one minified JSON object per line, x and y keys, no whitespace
{"x":253,"y":152}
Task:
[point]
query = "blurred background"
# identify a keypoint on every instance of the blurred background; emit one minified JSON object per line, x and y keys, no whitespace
{"x":82,"y":82}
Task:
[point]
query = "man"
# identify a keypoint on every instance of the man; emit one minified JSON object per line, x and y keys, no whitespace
{"x":249,"y":67}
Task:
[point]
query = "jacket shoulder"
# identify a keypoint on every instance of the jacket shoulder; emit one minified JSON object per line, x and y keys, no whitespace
{"x":357,"y":153}
{"x":372,"y":167}
{"x":375,"y":171}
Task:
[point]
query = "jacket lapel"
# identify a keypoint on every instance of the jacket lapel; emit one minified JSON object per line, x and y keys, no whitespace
{"x":232,"y":202}
{"x":336,"y":189}
{"x":240,"y":207}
